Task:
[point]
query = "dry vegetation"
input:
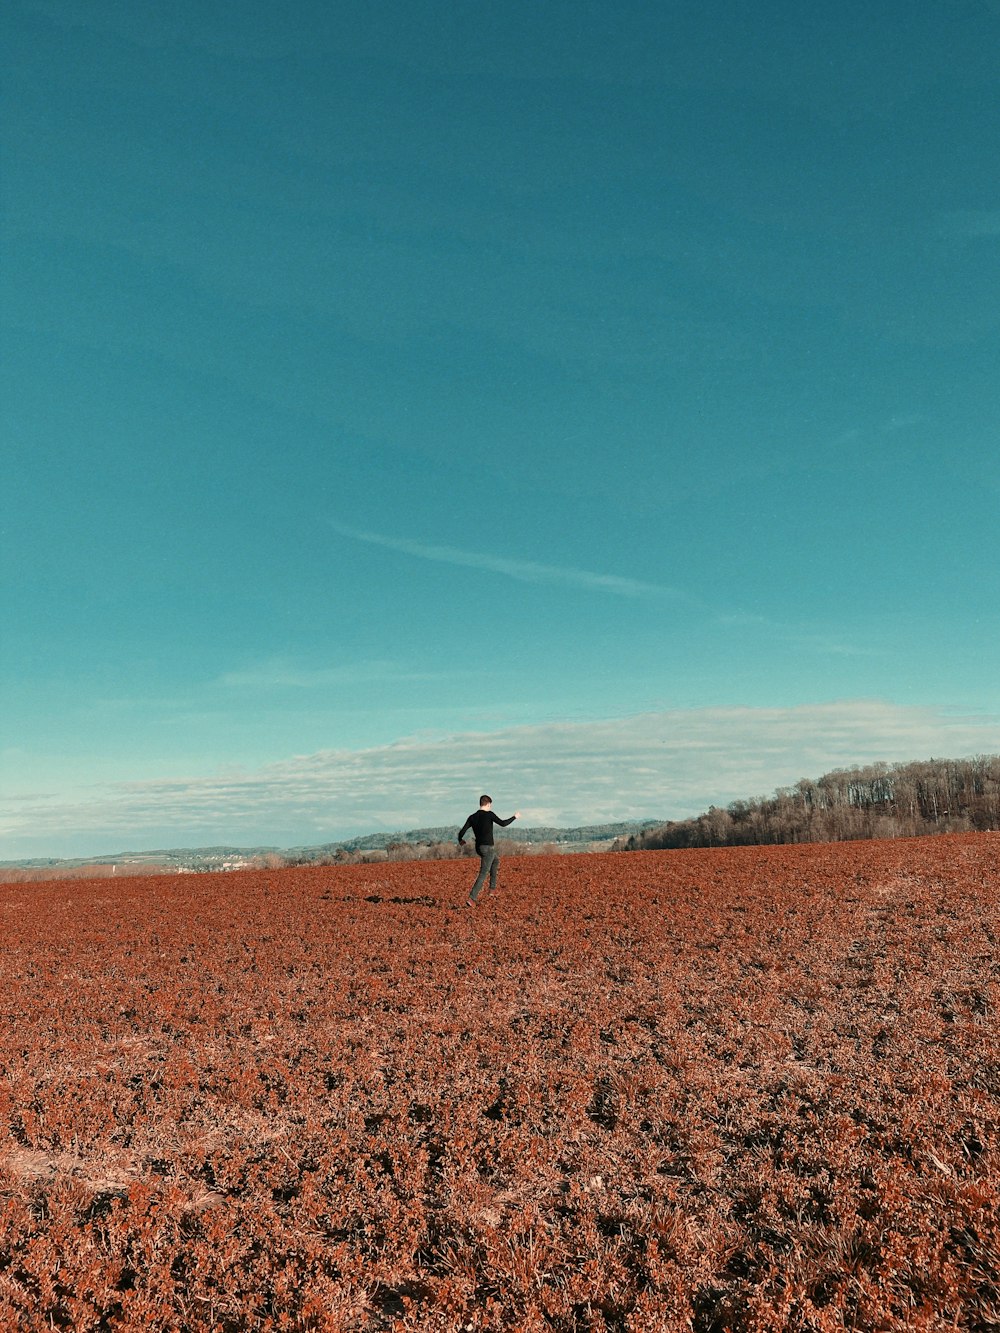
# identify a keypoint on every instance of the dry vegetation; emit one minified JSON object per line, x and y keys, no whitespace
{"x":37,"y":874}
{"x":748,"y":1090}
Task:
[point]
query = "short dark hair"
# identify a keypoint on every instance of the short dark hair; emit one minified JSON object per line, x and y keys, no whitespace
{"x":485,"y":800}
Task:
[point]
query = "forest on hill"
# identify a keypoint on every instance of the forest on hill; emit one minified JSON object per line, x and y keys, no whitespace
{"x":876,"y":801}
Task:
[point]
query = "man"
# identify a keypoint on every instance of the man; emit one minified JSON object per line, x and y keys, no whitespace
{"x":481,"y":822}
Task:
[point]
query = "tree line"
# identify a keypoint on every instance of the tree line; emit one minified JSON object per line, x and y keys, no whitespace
{"x":875,"y":801}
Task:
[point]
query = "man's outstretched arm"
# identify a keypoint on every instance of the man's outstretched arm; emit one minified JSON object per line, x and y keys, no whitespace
{"x":504,"y":822}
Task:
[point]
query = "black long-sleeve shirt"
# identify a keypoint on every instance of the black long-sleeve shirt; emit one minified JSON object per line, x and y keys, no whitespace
{"x":481,"y":823}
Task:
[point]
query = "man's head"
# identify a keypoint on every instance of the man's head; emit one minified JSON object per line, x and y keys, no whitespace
{"x":485,"y":802}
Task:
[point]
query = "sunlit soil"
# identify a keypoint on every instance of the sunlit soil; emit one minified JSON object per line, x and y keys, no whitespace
{"x":746,"y":1089}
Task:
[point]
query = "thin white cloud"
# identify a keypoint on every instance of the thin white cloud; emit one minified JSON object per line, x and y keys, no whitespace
{"x":902,"y":421}
{"x":972,"y":222}
{"x":800,"y":638}
{"x":527,"y":571}
{"x":665,"y":764}
{"x":829,"y":645}
{"x":281,"y":673}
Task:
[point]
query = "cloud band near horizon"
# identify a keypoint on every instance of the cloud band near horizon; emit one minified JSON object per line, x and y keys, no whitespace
{"x":653,"y":765}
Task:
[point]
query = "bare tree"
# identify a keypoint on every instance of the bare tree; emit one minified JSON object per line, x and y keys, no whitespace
{"x":875,"y":801}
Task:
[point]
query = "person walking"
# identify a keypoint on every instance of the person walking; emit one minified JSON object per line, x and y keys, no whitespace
{"x":481,"y":823}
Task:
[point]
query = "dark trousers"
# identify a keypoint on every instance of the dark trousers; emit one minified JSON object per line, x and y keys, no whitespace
{"x":489,"y":863}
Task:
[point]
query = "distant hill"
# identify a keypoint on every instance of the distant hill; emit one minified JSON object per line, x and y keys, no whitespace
{"x":167,"y":858}
{"x":877,"y":801}
{"x":446,"y":833}
{"x":426,"y":839}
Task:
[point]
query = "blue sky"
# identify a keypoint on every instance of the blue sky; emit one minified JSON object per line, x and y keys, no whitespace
{"x":405,"y":400}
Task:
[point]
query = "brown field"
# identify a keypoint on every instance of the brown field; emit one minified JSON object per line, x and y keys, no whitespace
{"x":744,"y":1089}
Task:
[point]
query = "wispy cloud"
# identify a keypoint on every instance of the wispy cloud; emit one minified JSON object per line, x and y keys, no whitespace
{"x":831,"y":645}
{"x":802,"y":637}
{"x":281,"y":673}
{"x":903,"y":421}
{"x":656,"y":764}
{"x":527,"y":571}
{"x":971,"y":222}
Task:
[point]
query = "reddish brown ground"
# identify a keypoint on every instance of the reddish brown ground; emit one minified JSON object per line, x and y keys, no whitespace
{"x":746,"y":1089}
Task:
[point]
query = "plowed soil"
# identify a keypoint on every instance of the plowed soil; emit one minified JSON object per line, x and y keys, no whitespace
{"x":744,"y":1089}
